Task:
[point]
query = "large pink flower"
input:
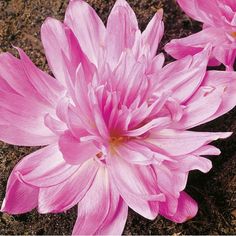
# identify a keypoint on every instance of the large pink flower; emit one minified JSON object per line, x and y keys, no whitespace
{"x":115,"y":121}
{"x":219,"y":29}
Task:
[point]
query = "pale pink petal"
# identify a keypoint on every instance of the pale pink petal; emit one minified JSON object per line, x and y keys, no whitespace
{"x":115,"y":221}
{"x":104,"y":215}
{"x":218,"y":89}
{"x":186,"y":210}
{"x":16,"y":136}
{"x":170,"y":180}
{"x":196,"y":112}
{"x":31,"y":94}
{"x":22,"y":121}
{"x":158,"y":123}
{"x":137,"y":187}
{"x":27,"y":80}
{"x":20,"y":198}
{"x":183,"y":76}
{"x":226,"y":80}
{"x":87,"y":27}
{"x":76,"y":152}
{"x":152,"y":35}
{"x":135,"y":153}
{"x":208,"y":150}
{"x":44,"y":168}
{"x":46,"y":86}
{"x":156,"y":64}
{"x":170,"y":140}
{"x":179,"y":48}
{"x":226,"y":54}
{"x":121,"y":29}
{"x":59,"y":42}
{"x":65,"y":195}
{"x":191,"y":162}
{"x":201,"y":10}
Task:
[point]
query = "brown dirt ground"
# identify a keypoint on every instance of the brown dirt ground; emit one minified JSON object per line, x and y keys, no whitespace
{"x":20,"y":22}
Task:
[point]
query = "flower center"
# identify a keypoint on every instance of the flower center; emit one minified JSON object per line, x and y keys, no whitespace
{"x":114,"y":141}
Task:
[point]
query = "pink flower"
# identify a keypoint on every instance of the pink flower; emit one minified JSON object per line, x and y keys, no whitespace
{"x":219,"y":29}
{"x":115,"y":121}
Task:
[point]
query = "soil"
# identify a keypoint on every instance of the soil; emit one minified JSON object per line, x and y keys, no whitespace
{"x":20,"y":22}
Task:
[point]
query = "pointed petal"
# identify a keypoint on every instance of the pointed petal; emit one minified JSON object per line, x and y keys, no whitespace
{"x":59,"y":42}
{"x":45,"y":85}
{"x":44,"y":168}
{"x":152,"y":35}
{"x":31,"y":96}
{"x":121,"y":28}
{"x":197,"y":113}
{"x":183,"y":76}
{"x":20,"y":198}
{"x":87,"y":27}
{"x":176,"y":143}
{"x":218,"y":90}
{"x":179,"y":48}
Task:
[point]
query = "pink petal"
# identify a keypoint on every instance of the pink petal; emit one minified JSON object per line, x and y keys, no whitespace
{"x":179,"y":48}
{"x":183,"y":76}
{"x":16,"y":136}
{"x":187,"y":209}
{"x":106,"y":214}
{"x":27,"y":80}
{"x":208,"y":150}
{"x":169,"y":207}
{"x":201,"y":10}
{"x":76,"y":152}
{"x":65,"y":195}
{"x":152,"y":35}
{"x":115,"y":222}
{"x":137,"y":186}
{"x":196,"y":112}
{"x":156,"y":64}
{"x":60,"y":42}
{"x":20,"y":198}
{"x":46,"y":86}
{"x":226,"y":54}
{"x":121,"y":28}
{"x":135,"y":153}
{"x":221,"y":100}
{"x":226,"y":80}
{"x":170,"y":181}
{"x":87,"y":27}
{"x":31,"y":94}
{"x":175,"y":143}
{"x":44,"y":168}
{"x":191,"y":162}
{"x":22,"y":121}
